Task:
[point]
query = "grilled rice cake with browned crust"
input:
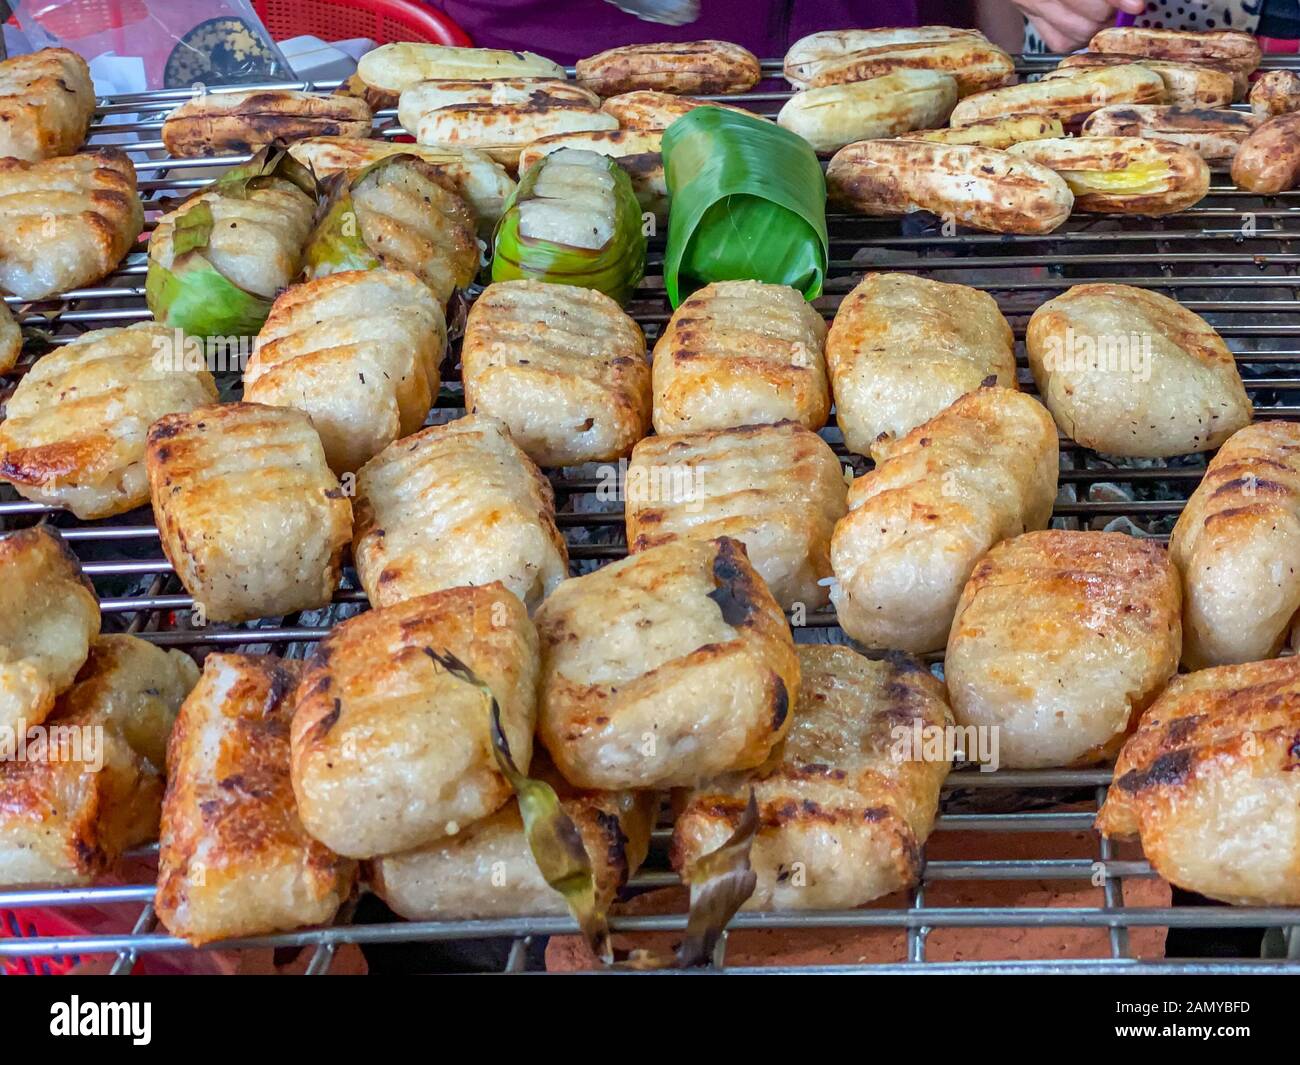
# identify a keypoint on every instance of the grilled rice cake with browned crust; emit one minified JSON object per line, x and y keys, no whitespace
{"x":453,"y":505}
{"x":480,"y":181}
{"x":841,"y":818}
{"x":1235,"y":544}
{"x":74,"y":432}
{"x":778,"y":489}
{"x":499,"y":118}
{"x":251,"y":518}
{"x":411,"y":218}
{"x":359,"y":352}
{"x":226,"y":123}
{"x":46,"y":102}
{"x":49,"y":615}
{"x":1210,"y":784}
{"x":562,"y":366}
{"x":648,"y":110}
{"x":65,"y":222}
{"x":1060,"y":641}
{"x":1128,"y":371}
{"x":706,"y":68}
{"x":740,"y":353}
{"x":628,"y":651}
{"x":67,"y":814}
{"x":391,"y":751}
{"x":11,"y":339}
{"x":808,"y":52}
{"x":487,"y":869}
{"x":234,"y":858}
{"x":257,"y":238}
{"x":980,"y":471}
{"x":901,"y":348}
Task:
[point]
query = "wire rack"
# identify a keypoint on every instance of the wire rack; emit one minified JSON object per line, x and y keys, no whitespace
{"x":1232,"y":258}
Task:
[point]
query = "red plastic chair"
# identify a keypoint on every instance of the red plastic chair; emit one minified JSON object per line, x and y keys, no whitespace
{"x":383,"y":21}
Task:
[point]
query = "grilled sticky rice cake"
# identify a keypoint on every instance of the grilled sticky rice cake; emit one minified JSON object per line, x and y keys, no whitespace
{"x":257,"y":239}
{"x":234,"y":859}
{"x":1060,"y":641}
{"x":251,"y":518}
{"x":562,"y":366}
{"x":410,"y":218}
{"x":481,"y":182}
{"x":392,"y":751}
{"x":46,"y":102}
{"x":841,"y":817}
{"x":67,"y":814}
{"x":902,"y":348}
{"x":778,"y":489}
{"x":453,"y":505}
{"x":1210,"y":783}
{"x":630,"y":651}
{"x":487,"y":869}
{"x":74,"y":434}
{"x":740,"y":353}
{"x":65,"y":222}
{"x":357,"y":351}
{"x":49,"y":616}
{"x":981,"y":470}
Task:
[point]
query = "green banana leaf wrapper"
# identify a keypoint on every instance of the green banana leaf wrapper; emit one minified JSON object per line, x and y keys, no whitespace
{"x":748,"y":203}
{"x":337,"y":244}
{"x":616,"y":269}
{"x":193,"y":295}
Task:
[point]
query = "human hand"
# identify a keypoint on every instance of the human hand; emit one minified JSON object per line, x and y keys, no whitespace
{"x":1066,"y":24}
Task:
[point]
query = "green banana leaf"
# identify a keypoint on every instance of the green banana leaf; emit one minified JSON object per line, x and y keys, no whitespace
{"x":553,"y":838}
{"x":616,"y":269}
{"x":748,"y":202}
{"x":337,"y":243}
{"x":193,"y":295}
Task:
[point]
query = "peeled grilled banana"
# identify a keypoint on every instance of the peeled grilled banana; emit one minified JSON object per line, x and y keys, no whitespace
{"x":392,"y":67}
{"x":1123,"y":175}
{"x":835,"y":115}
{"x":498,"y":117}
{"x":1067,"y":99}
{"x":996,"y":133}
{"x":1214,"y":135}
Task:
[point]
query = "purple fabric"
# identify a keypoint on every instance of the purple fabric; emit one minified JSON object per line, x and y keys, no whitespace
{"x":567,"y":30}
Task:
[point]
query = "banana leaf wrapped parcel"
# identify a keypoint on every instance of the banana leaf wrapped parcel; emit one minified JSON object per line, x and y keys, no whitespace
{"x":573,"y":220}
{"x":748,"y":203}
{"x":218,"y":260}
{"x":402,"y":213}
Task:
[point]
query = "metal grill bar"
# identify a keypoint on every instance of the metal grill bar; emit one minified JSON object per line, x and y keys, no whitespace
{"x":1234,"y":253}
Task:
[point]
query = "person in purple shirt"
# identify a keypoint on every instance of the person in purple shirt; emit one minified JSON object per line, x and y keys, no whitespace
{"x":568,"y":30}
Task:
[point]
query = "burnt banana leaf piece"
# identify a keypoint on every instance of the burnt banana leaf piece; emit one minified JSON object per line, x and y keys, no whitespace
{"x":721,"y":881}
{"x":553,"y":837}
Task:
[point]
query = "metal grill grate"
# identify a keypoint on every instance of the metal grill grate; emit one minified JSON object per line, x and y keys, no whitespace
{"x":1231,"y":258}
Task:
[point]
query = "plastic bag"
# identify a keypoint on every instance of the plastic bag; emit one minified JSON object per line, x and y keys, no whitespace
{"x":182,"y":43}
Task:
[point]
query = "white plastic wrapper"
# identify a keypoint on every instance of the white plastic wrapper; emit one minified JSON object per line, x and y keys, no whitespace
{"x":181,"y":43}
